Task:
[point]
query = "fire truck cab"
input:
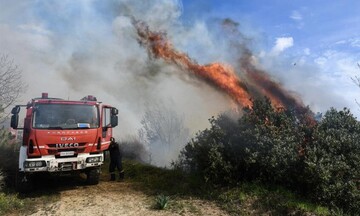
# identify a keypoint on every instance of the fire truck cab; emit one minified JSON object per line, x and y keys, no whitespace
{"x":63,"y":136}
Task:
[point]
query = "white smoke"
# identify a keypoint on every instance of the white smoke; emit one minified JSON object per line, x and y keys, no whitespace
{"x":75,"y":48}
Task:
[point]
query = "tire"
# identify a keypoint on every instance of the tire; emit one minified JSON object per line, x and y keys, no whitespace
{"x":93,"y":176}
{"x":23,"y":182}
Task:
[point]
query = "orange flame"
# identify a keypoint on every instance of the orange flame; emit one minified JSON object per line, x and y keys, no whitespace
{"x":279,"y":97}
{"x":261,"y":81}
{"x":223,"y":76}
{"x":218,"y":75}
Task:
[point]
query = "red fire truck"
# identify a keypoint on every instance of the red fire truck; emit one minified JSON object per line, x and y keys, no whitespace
{"x":63,"y":136}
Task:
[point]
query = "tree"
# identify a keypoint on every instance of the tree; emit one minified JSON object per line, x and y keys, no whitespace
{"x":11,"y":84}
{"x":164,"y":133}
{"x":356,"y":80}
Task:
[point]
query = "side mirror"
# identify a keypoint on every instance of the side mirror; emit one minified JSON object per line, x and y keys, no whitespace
{"x":15,"y":110}
{"x":114,"y":121}
{"x":114,"y":111}
{"x":14,"y":121}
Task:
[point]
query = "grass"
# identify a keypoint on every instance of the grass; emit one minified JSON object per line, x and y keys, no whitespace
{"x":154,"y":181}
{"x":10,"y":203}
{"x":174,"y":191}
{"x":167,"y":189}
{"x":13,"y":203}
{"x":244,"y":199}
{"x":9,"y":200}
{"x":254,"y":198}
{"x":161,"y":202}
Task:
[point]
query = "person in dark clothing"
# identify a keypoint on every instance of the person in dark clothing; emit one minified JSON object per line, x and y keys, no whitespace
{"x":115,"y":160}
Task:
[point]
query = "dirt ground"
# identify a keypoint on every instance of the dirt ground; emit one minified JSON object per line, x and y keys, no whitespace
{"x":117,"y":198}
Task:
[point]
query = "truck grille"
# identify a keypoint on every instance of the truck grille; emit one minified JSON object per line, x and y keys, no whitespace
{"x":67,"y":166}
{"x":54,"y":149}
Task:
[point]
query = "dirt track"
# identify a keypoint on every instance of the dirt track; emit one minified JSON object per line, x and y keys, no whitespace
{"x":118,"y":198}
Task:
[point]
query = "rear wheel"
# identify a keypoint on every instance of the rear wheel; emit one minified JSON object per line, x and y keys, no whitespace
{"x":92,"y":176}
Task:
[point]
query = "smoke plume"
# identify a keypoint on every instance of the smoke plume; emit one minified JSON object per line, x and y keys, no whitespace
{"x":220,"y":76}
{"x":75,"y":48}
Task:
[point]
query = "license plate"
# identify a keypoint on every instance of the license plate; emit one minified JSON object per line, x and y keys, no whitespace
{"x":67,"y":153}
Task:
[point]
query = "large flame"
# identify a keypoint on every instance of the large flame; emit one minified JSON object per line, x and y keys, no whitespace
{"x":261,"y":81}
{"x":222,"y":76}
{"x":218,"y":75}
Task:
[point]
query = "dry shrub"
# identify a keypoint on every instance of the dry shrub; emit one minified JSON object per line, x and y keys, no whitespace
{"x":132,"y":148}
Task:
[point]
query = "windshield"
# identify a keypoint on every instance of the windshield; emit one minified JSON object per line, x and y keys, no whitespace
{"x":65,"y":116}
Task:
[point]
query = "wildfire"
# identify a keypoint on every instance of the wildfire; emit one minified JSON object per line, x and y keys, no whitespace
{"x":218,"y":75}
{"x":261,"y":81}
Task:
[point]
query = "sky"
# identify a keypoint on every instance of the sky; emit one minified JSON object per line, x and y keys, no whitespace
{"x":74,"y":48}
{"x":321,"y":39}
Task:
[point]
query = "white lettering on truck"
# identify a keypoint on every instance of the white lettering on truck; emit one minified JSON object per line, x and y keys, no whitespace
{"x":67,"y":145}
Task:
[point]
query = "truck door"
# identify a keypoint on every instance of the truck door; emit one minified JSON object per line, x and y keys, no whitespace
{"x":109,"y":120}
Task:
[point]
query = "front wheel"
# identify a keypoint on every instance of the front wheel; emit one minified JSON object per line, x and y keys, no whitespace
{"x":23,"y":182}
{"x":92,"y":176}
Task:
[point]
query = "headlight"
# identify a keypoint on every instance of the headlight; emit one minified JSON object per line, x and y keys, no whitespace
{"x":33,"y":164}
{"x":93,"y":159}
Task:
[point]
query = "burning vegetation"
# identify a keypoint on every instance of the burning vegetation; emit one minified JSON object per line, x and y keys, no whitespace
{"x":275,"y":141}
{"x":255,"y":83}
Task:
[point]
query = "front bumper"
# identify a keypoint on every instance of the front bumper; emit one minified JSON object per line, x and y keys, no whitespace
{"x":52,"y":164}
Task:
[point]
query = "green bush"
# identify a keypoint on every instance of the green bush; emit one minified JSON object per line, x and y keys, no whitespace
{"x":267,"y":144}
{"x":203,"y":155}
{"x":320,"y":160}
{"x":262,"y":145}
{"x":8,"y":156}
{"x":8,"y":150}
{"x":333,"y":160}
